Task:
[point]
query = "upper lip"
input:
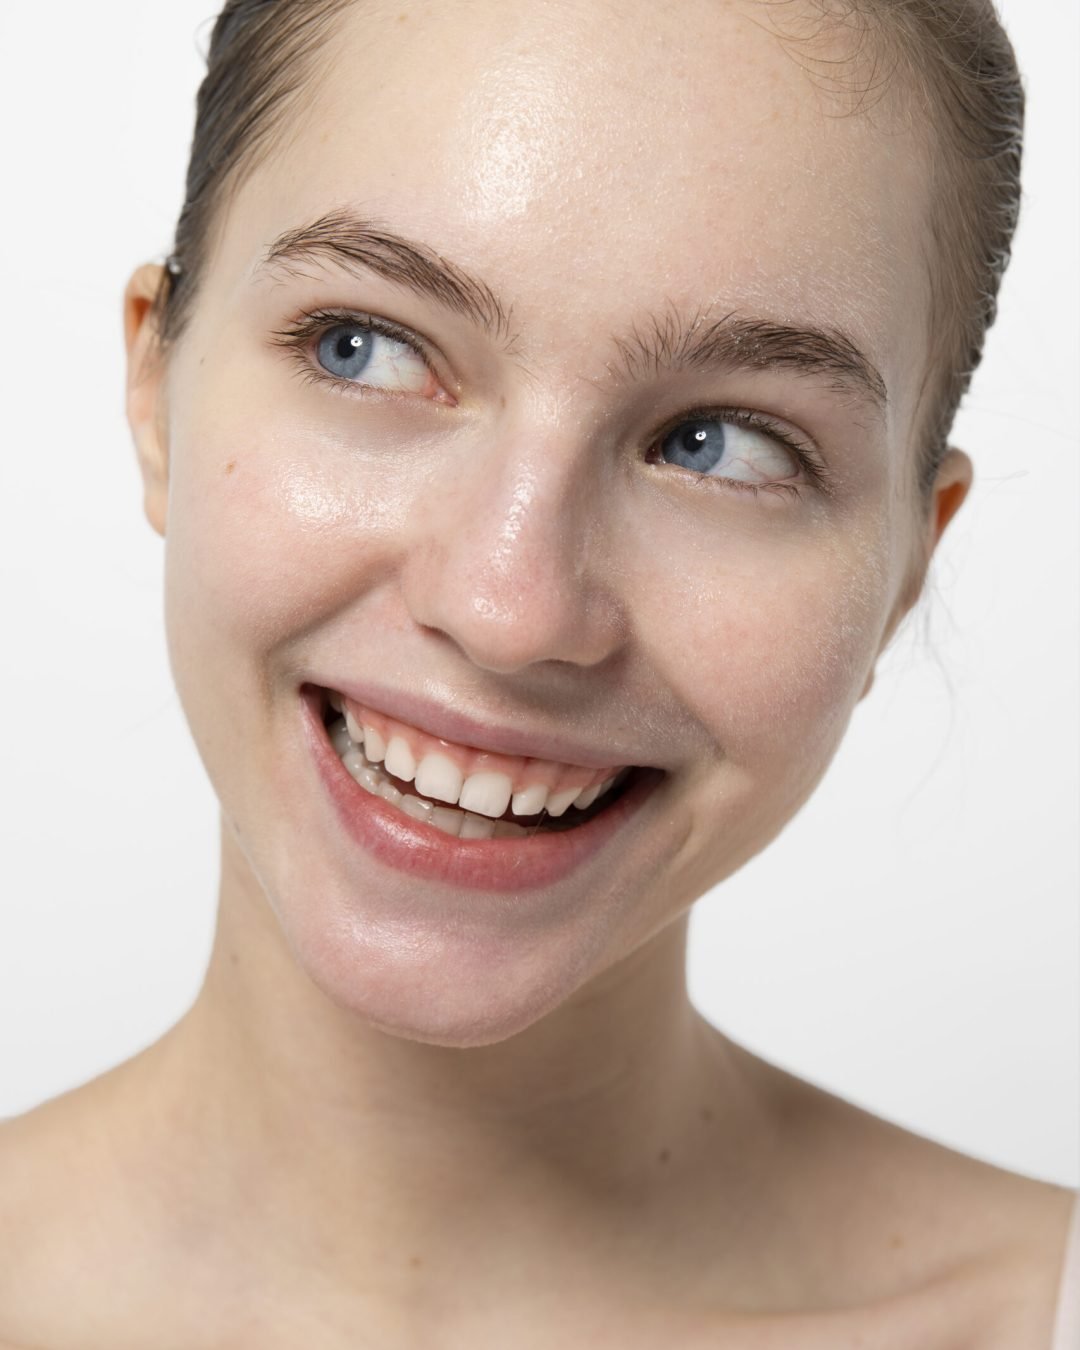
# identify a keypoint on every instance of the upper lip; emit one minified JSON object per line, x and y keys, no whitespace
{"x":475,"y":730}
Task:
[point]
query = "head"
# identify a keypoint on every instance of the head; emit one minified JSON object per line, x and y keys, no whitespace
{"x":652,"y":455}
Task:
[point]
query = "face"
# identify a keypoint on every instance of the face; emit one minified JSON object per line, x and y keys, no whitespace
{"x":628,"y":483}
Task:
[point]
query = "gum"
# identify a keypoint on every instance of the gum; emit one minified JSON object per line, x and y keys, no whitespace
{"x":523,"y":772}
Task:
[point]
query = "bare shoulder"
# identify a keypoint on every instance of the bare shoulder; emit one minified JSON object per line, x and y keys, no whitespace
{"x":920,"y":1231}
{"x":25,"y":1177}
{"x":36,"y":1151}
{"x":852,"y":1232}
{"x":57,"y":1225}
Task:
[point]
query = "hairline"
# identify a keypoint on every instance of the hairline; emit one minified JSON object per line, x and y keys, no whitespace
{"x":278,"y":130}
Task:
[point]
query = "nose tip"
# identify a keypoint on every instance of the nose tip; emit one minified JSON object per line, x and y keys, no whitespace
{"x":513,"y":575}
{"x":508,"y":628}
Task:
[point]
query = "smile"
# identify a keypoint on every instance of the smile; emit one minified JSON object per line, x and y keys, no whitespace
{"x":456,"y":813}
{"x":468,"y":793}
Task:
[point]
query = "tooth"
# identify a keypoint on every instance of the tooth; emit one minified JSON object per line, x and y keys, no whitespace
{"x":336,"y":702}
{"x":413,"y":806}
{"x":529,"y":801}
{"x":374,"y":745}
{"x":399,"y":759}
{"x":354,"y":761}
{"x":438,"y":776}
{"x":477,"y":827}
{"x":559,"y":801}
{"x":605,"y":786}
{"x":487,"y":793}
{"x":369,"y":780}
{"x":339,"y":736}
{"x":389,"y":793}
{"x":506,"y":829}
{"x":356,"y":731}
{"x":587,"y":797}
{"x":448,"y":820}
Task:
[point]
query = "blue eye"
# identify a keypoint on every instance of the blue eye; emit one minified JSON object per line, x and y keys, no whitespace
{"x":346,"y":350}
{"x":717,"y":448}
{"x":696,"y":445}
{"x":361,"y":354}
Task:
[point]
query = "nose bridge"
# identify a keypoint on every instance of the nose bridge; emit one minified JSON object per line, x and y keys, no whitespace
{"x":504,"y":560}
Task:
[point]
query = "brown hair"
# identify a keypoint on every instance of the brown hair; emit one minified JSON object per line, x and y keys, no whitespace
{"x":955,"y":70}
{"x":954,"y":55}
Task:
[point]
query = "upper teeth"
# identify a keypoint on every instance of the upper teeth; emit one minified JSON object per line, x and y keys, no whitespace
{"x":486,"y":791}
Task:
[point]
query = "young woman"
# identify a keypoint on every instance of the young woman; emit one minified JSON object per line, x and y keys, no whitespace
{"x":545,"y":409}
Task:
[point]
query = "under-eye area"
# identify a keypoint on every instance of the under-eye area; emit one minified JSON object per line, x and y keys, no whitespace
{"x":463,"y":791}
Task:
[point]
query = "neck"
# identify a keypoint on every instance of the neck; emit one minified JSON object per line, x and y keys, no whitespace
{"x":321,"y":1134}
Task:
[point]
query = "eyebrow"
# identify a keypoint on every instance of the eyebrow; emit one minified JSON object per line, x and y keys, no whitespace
{"x":735,"y":342}
{"x":356,"y":243}
{"x":666,"y":343}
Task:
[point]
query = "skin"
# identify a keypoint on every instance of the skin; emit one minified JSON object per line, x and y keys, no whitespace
{"x":392,"y":1105}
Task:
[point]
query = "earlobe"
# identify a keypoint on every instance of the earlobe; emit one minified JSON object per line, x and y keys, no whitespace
{"x":145,"y":403}
{"x":952,"y":483}
{"x":951,"y":486}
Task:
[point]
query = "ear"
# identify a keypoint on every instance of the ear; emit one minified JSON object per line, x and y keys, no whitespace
{"x":951,"y":486}
{"x":145,"y":400}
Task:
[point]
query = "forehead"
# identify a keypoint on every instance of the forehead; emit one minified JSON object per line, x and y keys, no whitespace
{"x":587,"y":156}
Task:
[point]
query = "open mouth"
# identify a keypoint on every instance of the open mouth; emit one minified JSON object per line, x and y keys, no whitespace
{"x":431,"y":782}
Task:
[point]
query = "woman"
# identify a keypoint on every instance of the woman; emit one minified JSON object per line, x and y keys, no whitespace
{"x":546,"y":451}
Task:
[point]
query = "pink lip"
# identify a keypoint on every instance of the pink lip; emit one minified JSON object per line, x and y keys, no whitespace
{"x":450,"y":725}
{"x":481,"y":864}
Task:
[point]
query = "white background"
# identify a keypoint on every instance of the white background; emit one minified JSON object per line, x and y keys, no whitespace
{"x":910,"y":941}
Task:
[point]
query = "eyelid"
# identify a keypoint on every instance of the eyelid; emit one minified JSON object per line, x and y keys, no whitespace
{"x":312,"y":323}
{"x":803,"y":450}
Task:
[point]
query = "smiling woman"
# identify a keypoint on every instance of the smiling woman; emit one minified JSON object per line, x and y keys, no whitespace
{"x":544,"y":471}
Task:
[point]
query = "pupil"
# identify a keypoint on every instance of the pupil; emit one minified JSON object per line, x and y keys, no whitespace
{"x":345,"y":351}
{"x":695,"y":445}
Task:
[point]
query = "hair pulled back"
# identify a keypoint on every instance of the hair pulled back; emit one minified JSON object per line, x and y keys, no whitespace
{"x":954,"y":54}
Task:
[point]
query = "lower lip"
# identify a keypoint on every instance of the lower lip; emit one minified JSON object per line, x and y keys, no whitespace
{"x":482,"y":864}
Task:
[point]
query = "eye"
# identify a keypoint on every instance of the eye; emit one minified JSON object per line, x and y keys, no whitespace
{"x":735,"y":447}
{"x":351,"y":351}
{"x":363,"y":352}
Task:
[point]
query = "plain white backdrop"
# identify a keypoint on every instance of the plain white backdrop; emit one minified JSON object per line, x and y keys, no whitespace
{"x":910,"y":941}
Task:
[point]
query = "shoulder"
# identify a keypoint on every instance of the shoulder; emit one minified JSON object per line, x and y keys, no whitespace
{"x":58,"y":1214}
{"x":911,"y":1230}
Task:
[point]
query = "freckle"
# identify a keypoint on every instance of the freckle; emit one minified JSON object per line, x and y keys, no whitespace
{"x":706,"y":1114}
{"x":897,"y":1240}
{"x":415,"y":1262}
{"x":664,"y":1155}
{"x":234,"y":958}
{"x":230,"y":466}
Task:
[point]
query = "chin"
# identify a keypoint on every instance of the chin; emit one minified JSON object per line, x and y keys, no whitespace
{"x":456,"y":988}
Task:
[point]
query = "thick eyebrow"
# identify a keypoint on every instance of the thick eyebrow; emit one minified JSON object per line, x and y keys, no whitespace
{"x":667,"y":343}
{"x":672,"y":342}
{"x":353,"y":241}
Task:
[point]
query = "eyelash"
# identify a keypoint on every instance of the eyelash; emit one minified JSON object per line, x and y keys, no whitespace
{"x":801,"y":451}
{"x":314,"y":323}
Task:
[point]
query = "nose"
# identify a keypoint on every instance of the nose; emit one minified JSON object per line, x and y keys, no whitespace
{"x":509,"y":555}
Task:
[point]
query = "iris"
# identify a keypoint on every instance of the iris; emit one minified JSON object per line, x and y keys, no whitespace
{"x":346,"y":349}
{"x":697,"y":444}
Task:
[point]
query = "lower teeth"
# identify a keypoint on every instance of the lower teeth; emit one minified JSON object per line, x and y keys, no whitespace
{"x":450,"y":819}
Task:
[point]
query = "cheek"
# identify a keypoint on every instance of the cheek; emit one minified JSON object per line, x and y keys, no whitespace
{"x":271,"y":534}
{"x":776,"y":650}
